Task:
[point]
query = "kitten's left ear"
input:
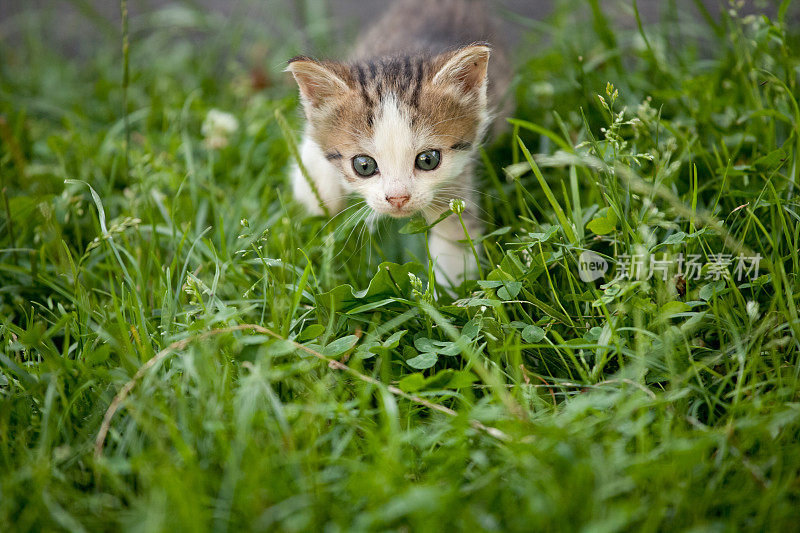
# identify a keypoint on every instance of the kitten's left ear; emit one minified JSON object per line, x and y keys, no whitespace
{"x":465,"y":68}
{"x":319,"y":81}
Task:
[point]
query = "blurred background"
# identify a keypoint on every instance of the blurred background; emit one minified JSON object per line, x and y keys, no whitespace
{"x":78,"y":25}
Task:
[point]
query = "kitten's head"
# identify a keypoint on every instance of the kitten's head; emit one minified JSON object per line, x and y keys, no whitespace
{"x":401,"y":129}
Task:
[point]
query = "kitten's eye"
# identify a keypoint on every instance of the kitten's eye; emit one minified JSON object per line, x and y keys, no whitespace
{"x":429,"y":159}
{"x":364,"y":165}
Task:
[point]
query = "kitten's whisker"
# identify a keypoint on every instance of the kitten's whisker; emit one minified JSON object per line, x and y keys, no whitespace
{"x":363,"y":233}
{"x":461,"y":189}
{"x":351,"y":221}
{"x":358,"y":214}
{"x":337,"y":215}
{"x":362,"y":237}
{"x":445,"y":204}
{"x":354,"y":219}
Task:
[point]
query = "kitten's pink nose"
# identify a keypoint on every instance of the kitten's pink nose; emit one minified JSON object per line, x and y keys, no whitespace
{"x":398,"y":201}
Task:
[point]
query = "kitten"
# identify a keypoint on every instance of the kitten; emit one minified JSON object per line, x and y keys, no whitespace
{"x":400,"y":123}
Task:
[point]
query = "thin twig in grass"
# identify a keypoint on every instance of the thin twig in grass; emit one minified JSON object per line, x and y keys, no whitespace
{"x":484,"y":373}
{"x":525,"y":373}
{"x":332,"y":363}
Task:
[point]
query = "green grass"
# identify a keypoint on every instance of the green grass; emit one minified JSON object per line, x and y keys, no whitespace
{"x":137,"y":262}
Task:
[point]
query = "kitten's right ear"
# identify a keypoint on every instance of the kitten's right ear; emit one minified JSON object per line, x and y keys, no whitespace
{"x":318,"y":81}
{"x":465,"y":68}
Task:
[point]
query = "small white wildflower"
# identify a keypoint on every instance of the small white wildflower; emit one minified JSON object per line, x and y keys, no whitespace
{"x":217,"y":129}
{"x":543,"y":90}
{"x":415,"y":281}
{"x":457,"y":206}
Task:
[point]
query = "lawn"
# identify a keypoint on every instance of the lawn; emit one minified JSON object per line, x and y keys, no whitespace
{"x":184,"y":350}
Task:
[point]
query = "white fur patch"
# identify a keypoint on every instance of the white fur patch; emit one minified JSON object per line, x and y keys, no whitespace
{"x":325,"y":176}
{"x":395,"y":147}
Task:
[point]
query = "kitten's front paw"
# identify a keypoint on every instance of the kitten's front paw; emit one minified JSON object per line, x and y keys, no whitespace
{"x":454,"y":261}
{"x":453,"y":266}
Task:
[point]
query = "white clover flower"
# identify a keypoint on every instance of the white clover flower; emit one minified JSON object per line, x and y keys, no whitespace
{"x":457,"y":206}
{"x":543,"y":90}
{"x":217,"y":129}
